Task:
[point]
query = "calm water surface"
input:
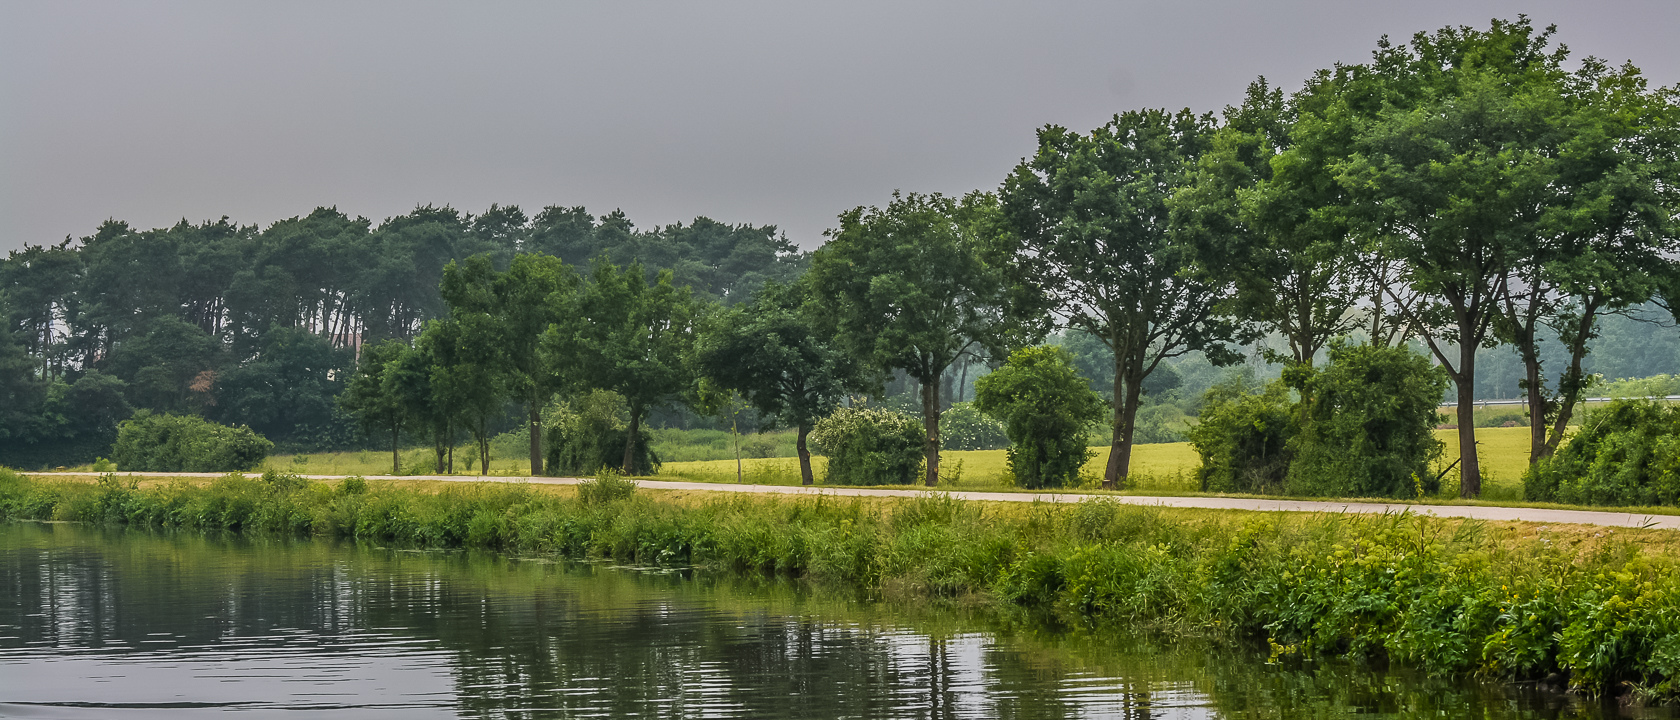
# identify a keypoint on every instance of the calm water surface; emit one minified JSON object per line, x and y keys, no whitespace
{"x":129,"y":624}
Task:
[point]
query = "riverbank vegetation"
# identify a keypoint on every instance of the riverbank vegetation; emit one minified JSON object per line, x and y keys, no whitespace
{"x":1596,"y":608}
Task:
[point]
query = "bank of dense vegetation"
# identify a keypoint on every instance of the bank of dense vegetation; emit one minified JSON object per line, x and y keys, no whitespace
{"x":1469,"y":190}
{"x":1444,"y":596}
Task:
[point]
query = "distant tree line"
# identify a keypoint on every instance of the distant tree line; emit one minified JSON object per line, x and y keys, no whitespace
{"x":1462,"y":191}
{"x":260,"y":326}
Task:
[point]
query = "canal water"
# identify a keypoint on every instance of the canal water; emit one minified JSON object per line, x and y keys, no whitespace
{"x":99,"y":623}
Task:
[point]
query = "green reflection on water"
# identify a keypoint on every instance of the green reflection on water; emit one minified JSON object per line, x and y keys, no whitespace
{"x":139,"y":620}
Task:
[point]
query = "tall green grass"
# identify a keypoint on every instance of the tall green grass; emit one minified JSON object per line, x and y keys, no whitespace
{"x":1445,"y":596}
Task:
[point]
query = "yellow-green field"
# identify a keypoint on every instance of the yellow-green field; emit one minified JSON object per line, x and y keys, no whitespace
{"x":1163,"y":468}
{"x":1158,"y":468}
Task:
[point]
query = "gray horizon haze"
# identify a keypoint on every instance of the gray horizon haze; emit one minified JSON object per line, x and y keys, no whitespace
{"x":746,"y":112}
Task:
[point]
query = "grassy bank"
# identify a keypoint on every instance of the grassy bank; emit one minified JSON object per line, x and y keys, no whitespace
{"x":1600,"y":608}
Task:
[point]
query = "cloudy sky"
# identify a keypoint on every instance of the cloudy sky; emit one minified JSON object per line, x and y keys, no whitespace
{"x":765,"y":113}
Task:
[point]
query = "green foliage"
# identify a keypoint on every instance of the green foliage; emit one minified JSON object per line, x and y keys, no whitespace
{"x":606,"y":487}
{"x":370,"y":396}
{"x":869,"y":446}
{"x":771,"y":353}
{"x":287,"y":392}
{"x":630,"y":337}
{"x":1655,"y":386}
{"x":466,"y":377}
{"x":151,"y":442}
{"x":1244,"y":438}
{"x":1090,"y":238}
{"x":908,"y":288}
{"x":511,"y":311}
{"x":1045,"y":407}
{"x":1626,"y":453}
{"x":963,"y":427}
{"x":586,"y":434}
{"x":1369,"y":432}
{"x":1364,"y":428}
{"x":1257,"y":208}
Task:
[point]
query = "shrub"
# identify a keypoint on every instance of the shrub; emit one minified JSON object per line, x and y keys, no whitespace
{"x":606,"y":487}
{"x":1244,"y":438}
{"x":964,"y":427}
{"x":1626,"y":453}
{"x":587,"y":433}
{"x":1502,"y":418}
{"x":186,"y":443}
{"x":1045,"y":407}
{"x":1368,"y":431}
{"x":870,"y":446}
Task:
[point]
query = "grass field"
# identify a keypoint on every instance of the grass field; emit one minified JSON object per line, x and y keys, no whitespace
{"x":1156,"y":468}
{"x":1160,"y":468}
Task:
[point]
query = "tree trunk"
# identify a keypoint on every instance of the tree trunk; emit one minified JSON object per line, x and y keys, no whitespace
{"x":1469,"y":468}
{"x":536,"y":438}
{"x":1536,"y":404}
{"x":962,"y":380}
{"x":930,"y":420}
{"x":1571,"y":384}
{"x":396,"y":466}
{"x":805,"y":477}
{"x":629,"y":466}
{"x":483,"y":453}
{"x":1126,"y":395}
{"x":1128,"y":424}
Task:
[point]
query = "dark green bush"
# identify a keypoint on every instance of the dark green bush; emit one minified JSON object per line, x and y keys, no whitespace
{"x":588,"y":432}
{"x":151,"y":442}
{"x":1244,"y":438}
{"x":1045,"y":406}
{"x":1369,"y":428}
{"x":1626,"y":453}
{"x":1364,"y":429}
{"x":870,"y":446}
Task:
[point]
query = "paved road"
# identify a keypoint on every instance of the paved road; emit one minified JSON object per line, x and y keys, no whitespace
{"x":1537,"y":515}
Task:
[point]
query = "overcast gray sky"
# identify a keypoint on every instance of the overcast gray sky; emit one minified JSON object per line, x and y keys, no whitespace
{"x":766,"y":113}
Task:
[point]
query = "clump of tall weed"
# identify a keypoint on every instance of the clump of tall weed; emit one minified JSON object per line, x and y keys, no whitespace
{"x":606,"y":487}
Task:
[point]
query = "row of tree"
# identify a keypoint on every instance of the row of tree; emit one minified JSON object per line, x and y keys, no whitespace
{"x":1460,"y":191}
{"x":261,"y":326}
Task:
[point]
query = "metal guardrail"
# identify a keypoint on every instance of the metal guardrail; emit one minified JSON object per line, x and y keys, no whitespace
{"x":1491,"y":403}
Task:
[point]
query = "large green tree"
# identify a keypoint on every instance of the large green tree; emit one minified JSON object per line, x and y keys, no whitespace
{"x":1092,"y":232}
{"x":1606,"y":241}
{"x":907,"y":288}
{"x":628,"y":336}
{"x":407,"y":381}
{"x":1452,"y":167}
{"x":517,"y":307}
{"x":367,"y":397}
{"x":770,"y":351}
{"x":466,"y":376}
{"x":1261,"y":210}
